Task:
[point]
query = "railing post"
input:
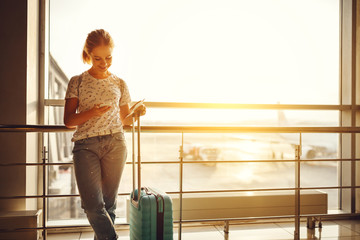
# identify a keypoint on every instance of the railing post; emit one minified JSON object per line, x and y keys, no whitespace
{"x":133,"y":155}
{"x":181,"y":151}
{"x":297,"y":193}
{"x":226,"y":230}
{"x":44,"y":232}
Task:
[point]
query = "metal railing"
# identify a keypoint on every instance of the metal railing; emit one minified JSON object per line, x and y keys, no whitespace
{"x":181,"y":162}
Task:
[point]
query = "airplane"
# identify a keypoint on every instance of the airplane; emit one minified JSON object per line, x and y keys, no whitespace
{"x":202,"y":152}
{"x":264,"y":145}
{"x":313,"y":145}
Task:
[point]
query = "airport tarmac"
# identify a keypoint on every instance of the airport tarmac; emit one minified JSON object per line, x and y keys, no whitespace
{"x":200,"y":176}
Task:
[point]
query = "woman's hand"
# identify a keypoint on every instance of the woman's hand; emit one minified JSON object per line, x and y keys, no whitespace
{"x":141,"y":110}
{"x":98,"y":111}
{"x":126,"y":113}
{"x":73,"y":119}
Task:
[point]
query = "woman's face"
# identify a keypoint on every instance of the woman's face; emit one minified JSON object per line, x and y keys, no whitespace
{"x":101,"y":58}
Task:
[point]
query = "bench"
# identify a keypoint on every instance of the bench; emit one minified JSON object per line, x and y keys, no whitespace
{"x":248,"y":204}
{"x":11,"y":223}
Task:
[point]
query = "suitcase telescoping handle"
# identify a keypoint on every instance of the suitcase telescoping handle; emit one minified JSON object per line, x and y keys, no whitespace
{"x":135,"y":198}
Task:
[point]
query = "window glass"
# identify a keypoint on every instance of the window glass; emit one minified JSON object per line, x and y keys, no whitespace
{"x":209,"y":51}
{"x":264,"y":51}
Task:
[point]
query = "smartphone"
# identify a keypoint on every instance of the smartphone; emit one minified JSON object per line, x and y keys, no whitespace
{"x":104,"y":105}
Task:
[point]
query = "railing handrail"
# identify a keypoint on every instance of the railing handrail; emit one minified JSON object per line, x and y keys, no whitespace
{"x":250,"y":106}
{"x":191,"y":129}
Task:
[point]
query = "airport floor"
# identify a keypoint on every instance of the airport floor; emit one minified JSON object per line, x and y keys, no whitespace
{"x":331,"y":230}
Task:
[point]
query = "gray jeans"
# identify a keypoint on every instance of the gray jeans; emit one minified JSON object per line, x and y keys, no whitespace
{"x":99,"y":162}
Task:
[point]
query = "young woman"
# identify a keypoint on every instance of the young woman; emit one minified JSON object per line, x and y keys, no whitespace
{"x":97,"y":104}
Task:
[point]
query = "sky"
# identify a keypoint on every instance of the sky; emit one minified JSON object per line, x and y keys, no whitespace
{"x":212,"y":51}
{"x":227,"y":51}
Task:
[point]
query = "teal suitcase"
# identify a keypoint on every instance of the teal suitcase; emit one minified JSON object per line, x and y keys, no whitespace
{"x":151,"y":215}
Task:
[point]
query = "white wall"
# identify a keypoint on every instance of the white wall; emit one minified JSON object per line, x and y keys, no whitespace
{"x":18,"y":99}
{"x":32,"y":99}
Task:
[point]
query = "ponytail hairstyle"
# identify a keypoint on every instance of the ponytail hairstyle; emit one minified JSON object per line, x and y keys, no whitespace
{"x":94,"y":39}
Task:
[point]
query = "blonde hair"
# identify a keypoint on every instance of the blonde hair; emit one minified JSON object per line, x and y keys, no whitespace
{"x":94,"y":39}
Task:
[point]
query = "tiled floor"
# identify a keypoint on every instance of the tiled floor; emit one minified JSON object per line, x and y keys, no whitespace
{"x":331,"y":230}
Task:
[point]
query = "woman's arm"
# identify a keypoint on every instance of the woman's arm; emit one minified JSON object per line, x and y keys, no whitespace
{"x":72,"y":119}
{"x":124,"y":112}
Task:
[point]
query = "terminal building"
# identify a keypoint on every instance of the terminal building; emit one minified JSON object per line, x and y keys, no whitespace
{"x":234,"y":169}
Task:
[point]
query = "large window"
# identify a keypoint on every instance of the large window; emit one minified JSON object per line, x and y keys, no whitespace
{"x":233,"y":51}
{"x":200,"y":51}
